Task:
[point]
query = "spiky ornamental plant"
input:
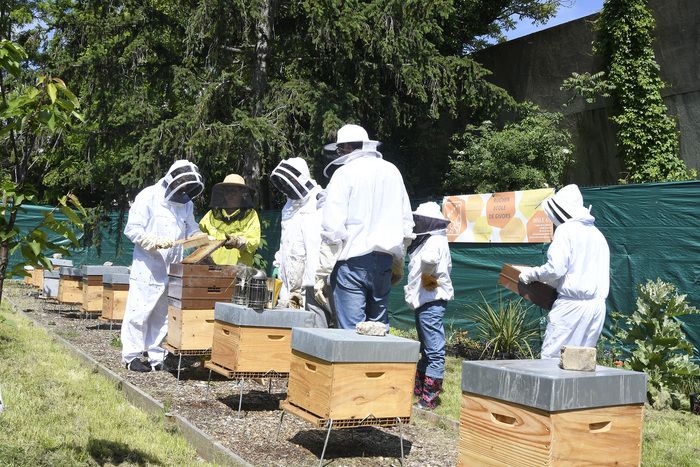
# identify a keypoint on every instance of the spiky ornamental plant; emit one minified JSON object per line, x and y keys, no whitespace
{"x":661,"y":349}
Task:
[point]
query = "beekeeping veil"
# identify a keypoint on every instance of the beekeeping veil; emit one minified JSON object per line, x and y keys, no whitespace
{"x":182,"y":183}
{"x":292,"y":178}
{"x":232,"y":194}
{"x":348,"y":134}
{"x":565,"y":205}
{"x":428,"y":220}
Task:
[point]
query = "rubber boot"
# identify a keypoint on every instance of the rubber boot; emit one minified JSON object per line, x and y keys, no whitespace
{"x":432,"y":387}
{"x":418,"y":385}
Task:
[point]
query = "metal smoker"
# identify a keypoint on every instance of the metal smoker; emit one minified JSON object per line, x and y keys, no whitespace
{"x":250,"y":289}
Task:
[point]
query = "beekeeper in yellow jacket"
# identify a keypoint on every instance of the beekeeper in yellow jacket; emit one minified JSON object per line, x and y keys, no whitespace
{"x":232,"y":218}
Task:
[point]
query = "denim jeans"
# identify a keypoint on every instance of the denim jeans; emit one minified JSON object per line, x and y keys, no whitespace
{"x":361,"y":287}
{"x":431,"y":334}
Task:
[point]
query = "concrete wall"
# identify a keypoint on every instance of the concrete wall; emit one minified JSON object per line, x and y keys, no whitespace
{"x":533,"y":68}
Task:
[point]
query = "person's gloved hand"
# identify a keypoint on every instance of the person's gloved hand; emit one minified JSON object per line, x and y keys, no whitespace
{"x":234,"y":241}
{"x":162,"y":243}
{"x":319,"y":294}
{"x":148,"y":242}
{"x":396,"y":271}
{"x":527,"y":276}
{"x":428,"y":282}
{"x":296,"y":301}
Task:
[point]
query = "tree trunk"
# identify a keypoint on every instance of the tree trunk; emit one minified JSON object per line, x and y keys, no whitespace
{"x":252,"y":167}
{"x":4,"y":260}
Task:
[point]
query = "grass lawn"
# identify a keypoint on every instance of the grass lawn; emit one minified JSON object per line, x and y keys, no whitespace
{"x":671,"y":438}
{"x":58,"y":413}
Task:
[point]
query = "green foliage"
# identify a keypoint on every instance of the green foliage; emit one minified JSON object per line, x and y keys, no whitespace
{"x":530,"y":153}
{"x":34,"y":112}
{"x":587,"y":86}
{"x":505,"y":330}
{"x":660,"y":348}
{"x":647,"y":138}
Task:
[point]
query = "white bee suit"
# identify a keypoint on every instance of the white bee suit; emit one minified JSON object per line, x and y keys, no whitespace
{"x":145,"y":321}
{"x":578,"y":263}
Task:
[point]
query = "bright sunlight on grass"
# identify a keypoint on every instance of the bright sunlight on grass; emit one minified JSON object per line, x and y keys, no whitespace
{"x":58,"y":413}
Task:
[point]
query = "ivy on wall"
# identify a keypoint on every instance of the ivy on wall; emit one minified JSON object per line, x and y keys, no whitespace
{"x":647,"y":137}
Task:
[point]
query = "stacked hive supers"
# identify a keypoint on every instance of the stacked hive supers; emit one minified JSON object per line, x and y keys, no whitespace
{"x":70,"y":285}
{"x":115,"y":290}
{"x":193,"y":290}
{"x":92,"y":287}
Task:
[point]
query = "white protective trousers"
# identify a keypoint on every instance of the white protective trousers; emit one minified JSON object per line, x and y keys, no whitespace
{"x":573,"y":322}
{"x":145,"y":321}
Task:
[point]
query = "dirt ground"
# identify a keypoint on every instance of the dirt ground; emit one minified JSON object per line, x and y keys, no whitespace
{"x":213,"y":408}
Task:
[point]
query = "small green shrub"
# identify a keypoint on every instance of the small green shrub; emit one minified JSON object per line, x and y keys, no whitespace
{"x":660,"y":348}
{"x":461,"y":345}
{"x":116,"y":342}
{"x":505,"y":330}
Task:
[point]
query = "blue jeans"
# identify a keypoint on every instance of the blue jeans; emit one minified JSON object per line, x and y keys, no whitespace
{"x":431,"y":334}
{"x":361,"y":287}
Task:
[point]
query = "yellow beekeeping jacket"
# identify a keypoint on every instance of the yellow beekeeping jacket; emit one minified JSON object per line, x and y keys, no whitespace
{"x":248,"y":227}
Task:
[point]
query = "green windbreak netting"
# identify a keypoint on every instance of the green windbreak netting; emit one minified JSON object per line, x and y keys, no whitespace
{"x":653,"y":231}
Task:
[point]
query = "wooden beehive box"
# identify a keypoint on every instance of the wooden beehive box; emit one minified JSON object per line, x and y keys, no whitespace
{"x":259,"y":341}
{"x":70,"y":285}
{"x":200,"y":286}
{"x":530,"y":412}
{"x":540,"y":294}
{"x":115,"y":291}
{"x":92,"y":285}
{"x":190,"y":329}
{"x":38,"y":277}
{"x":341,"y":375}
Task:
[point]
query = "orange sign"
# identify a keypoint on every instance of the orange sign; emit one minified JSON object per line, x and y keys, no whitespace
{"x":510,"y":217}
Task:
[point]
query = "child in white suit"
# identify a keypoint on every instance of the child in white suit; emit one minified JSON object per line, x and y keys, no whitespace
{"x":428,"y":290}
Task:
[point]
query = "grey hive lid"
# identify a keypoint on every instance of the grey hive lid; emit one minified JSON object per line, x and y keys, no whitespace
{"x":542,"y":384}
{"x":346,"y":345}
{"x":269,"y":318}
{"x":61,"y":262}
{"x":51,"y":274}
{"x":112,"y":278}
{"x":71,"y":272}
{"x":100,"y":270}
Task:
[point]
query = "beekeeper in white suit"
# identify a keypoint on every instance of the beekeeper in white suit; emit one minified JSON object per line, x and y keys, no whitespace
{"x":161,"y":214}
{"x":297,"y":257}
{"x":367,"y":223}
{"x":578,"y":264}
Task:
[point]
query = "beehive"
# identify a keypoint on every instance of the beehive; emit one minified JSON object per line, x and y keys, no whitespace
{"x":38,"y":277}
{"x":255,"y":341}
{"x":199,"y":286}
{"x":540,"y":294}
{"x":70,"y":285}
{"x":51,"y":283}
{"x":38,"y":273}
{"x":531,"y":412}
{"x":341,"y":375}
{"x":92,"y":285}
{"x":115,"y":290}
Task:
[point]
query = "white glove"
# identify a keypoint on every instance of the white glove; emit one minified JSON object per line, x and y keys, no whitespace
{"x":527,"y":276}
{"x":296,"y":301}
{"x":319,"y":294}
{"x":327,"y":257}
{"x":148,"y":242}
{"x":163,"y":243}
{"x":321,"y":199}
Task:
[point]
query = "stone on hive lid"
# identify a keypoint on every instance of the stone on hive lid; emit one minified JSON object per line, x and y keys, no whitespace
{"x":346,"y":345}
{"x":100,"y":270}
{"x":71,"y":272}
{"x":371,"y":328}
{"x":543,"y":385}
{"x":61,"y":262}
{"x":112,"y":278}
{"x":240,"y":315}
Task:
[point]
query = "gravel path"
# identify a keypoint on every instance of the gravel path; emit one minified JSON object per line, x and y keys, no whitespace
{"x":214,"y":410}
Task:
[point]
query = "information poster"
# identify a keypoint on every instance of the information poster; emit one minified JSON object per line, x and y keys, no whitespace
{"x":510,"y":217}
